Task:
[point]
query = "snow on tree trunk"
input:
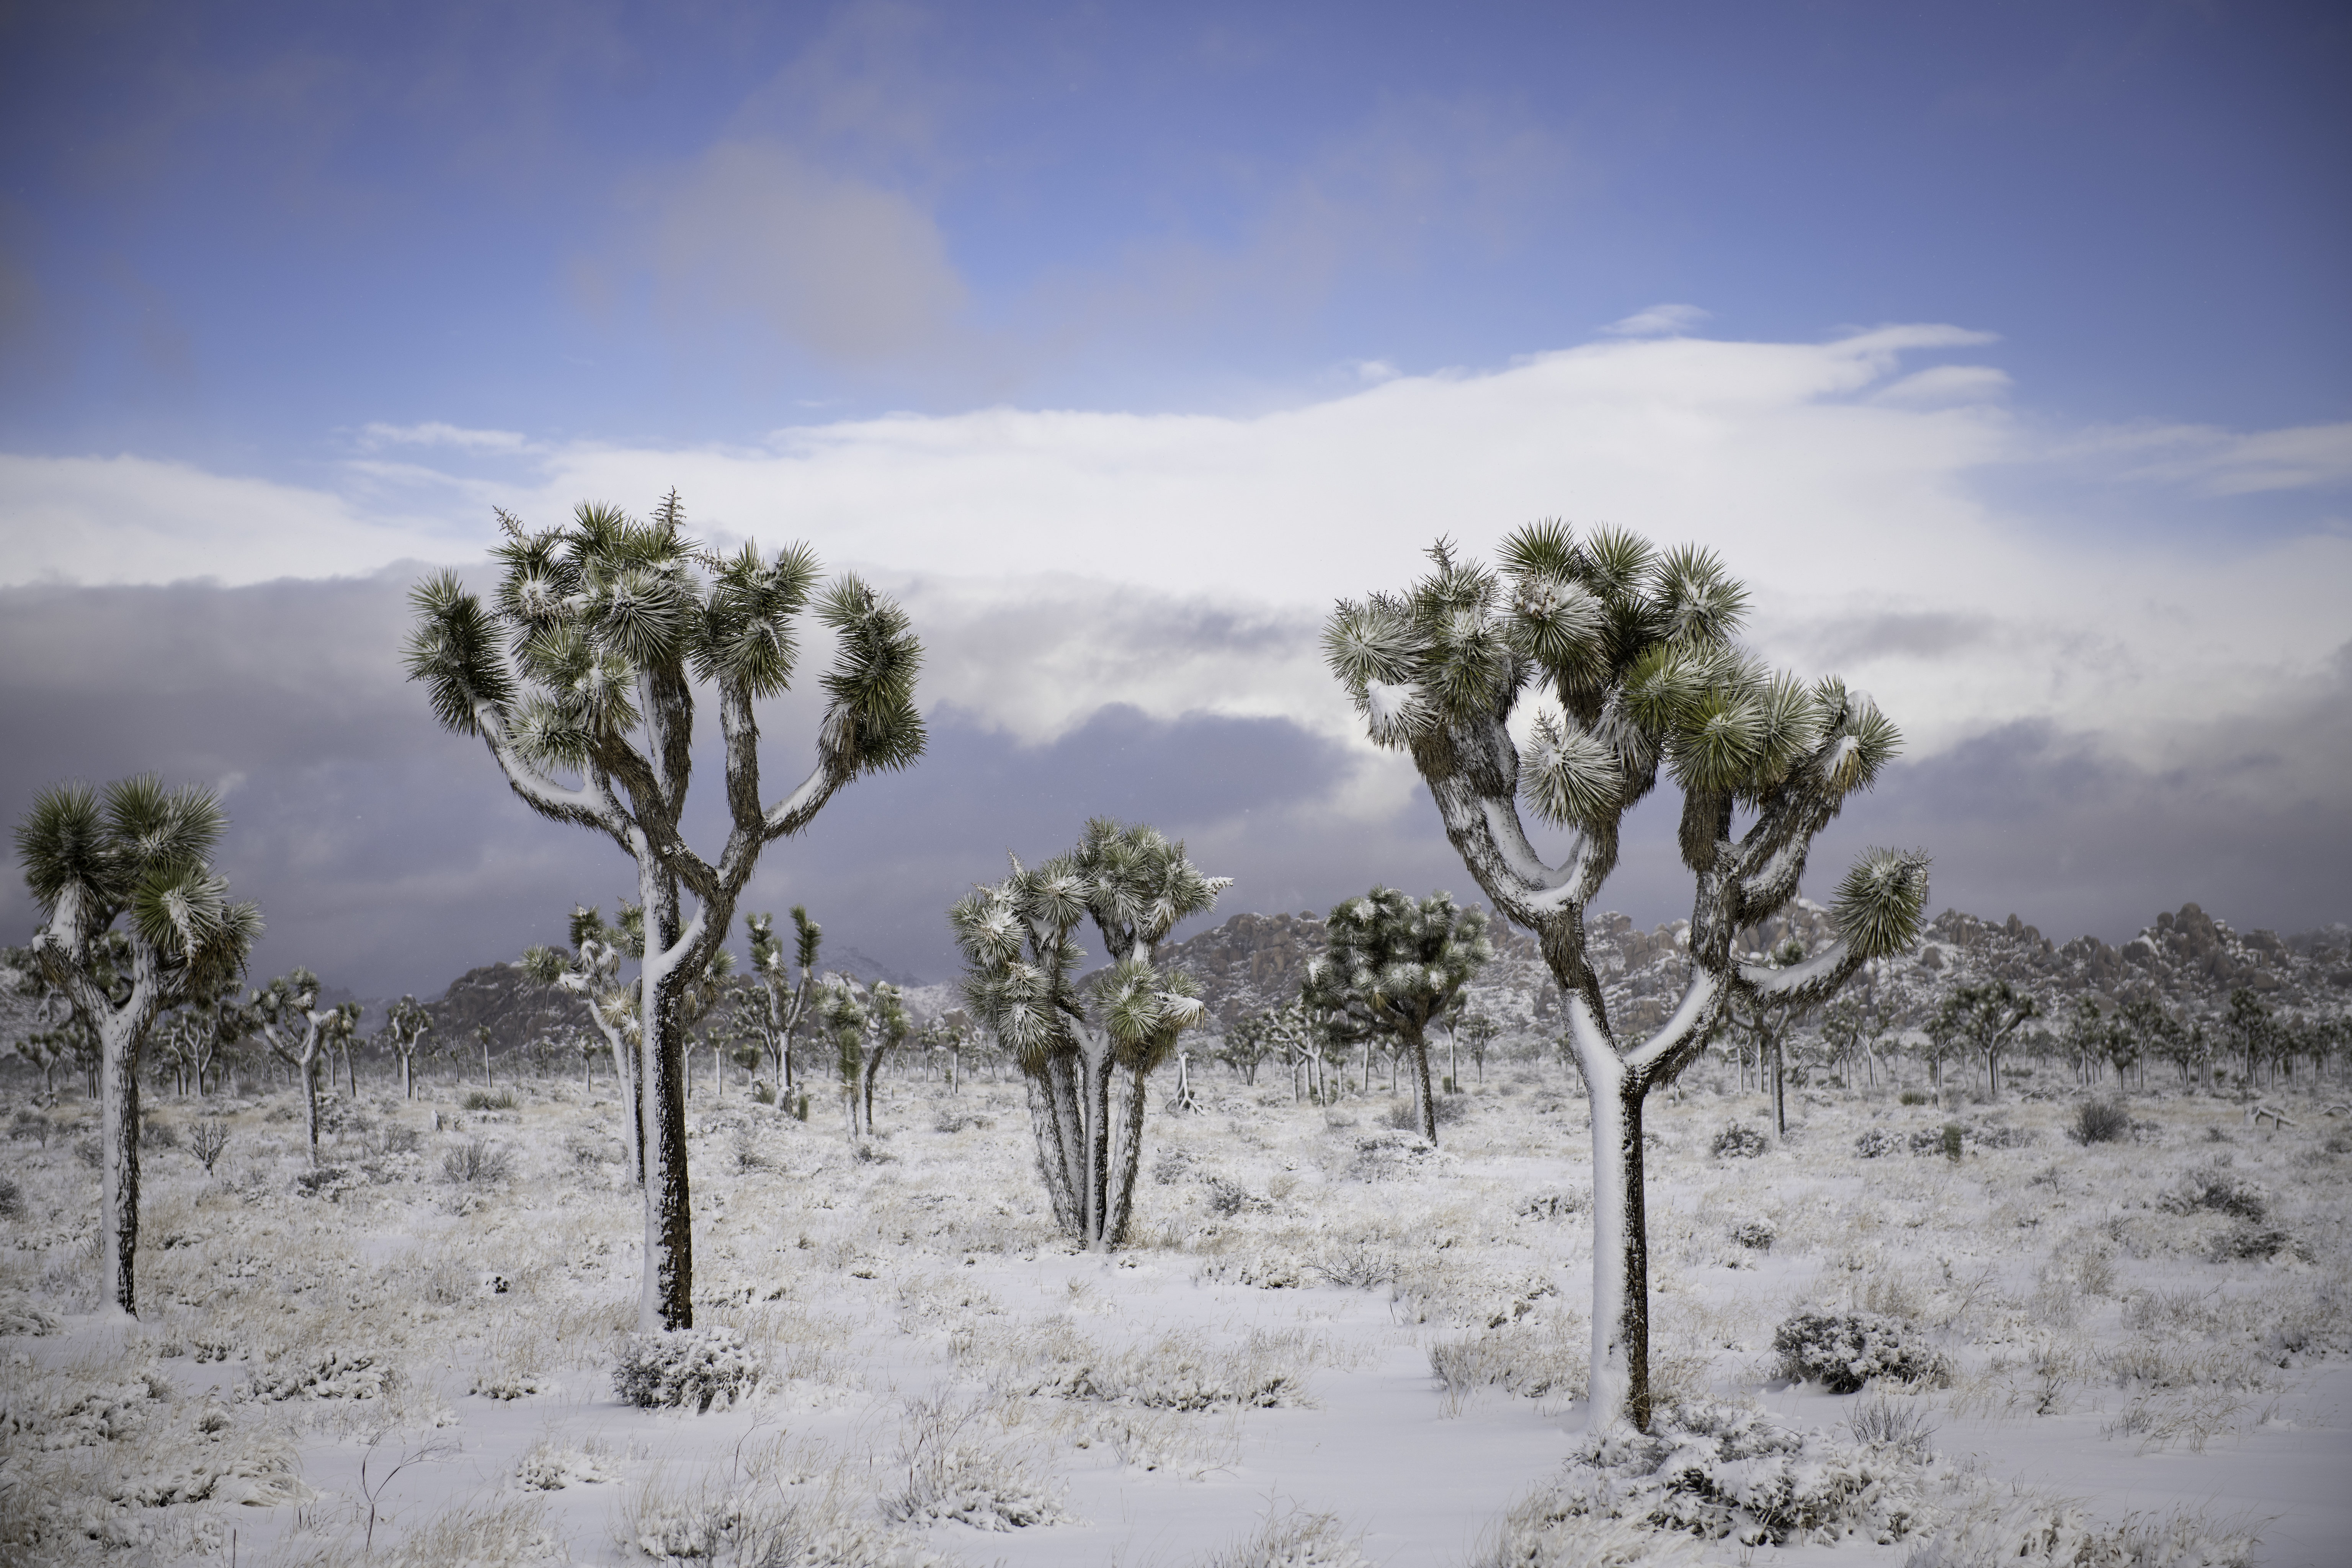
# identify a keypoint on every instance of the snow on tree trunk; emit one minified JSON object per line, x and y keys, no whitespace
{"x":118,"y":1140}
{"x":1053,"y":1156}
{"x":1130,"y":1153}
{"x":1419,"y":1046}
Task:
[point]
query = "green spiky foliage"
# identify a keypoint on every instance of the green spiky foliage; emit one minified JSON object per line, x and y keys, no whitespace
{"x":584,"y":663}
{"x":785,"y":996}
{"x":865,"y":1027}
{"x":134,"y":920}
{"x":1565,"y":684}
{"x":1021,"y":965}
{"x":1394,"y":965}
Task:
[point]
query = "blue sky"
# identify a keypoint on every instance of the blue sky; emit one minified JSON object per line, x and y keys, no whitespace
{"x":2005,"y":347}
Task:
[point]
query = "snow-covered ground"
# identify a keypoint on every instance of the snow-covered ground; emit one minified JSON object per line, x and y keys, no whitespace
{"x":1330,"y":1345}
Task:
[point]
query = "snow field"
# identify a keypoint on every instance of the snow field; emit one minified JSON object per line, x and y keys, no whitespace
{"x":1331,"y":1345}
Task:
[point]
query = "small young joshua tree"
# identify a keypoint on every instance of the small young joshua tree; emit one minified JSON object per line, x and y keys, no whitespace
{"x":1021,"y":961}
{"x":1394,"y":967}
{"x":139,"y":855}
{"x":586,"y":664}
{"x":1624,"y":659}
{"x":300,"y":1032}
{"x":591,"y":971}
{"x":786,"y":999}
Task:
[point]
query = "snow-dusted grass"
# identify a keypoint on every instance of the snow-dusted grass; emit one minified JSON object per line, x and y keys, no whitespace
{"x":1332,"y":1345}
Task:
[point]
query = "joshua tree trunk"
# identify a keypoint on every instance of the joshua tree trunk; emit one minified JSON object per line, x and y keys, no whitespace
{"x":666,"y":1295}
{"x":118,"y":1139}
{"x":1419,"y":1046}
{"x":1052,"y":1153}
{"x":1130,"y":1153}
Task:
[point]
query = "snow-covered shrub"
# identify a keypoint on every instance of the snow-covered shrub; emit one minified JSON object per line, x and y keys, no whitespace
{"x":1446,"y":1108}
{"x":1177,"y":1372}
{"x":1293,"y":1540}
{"x":476,"y":1163}
{"x":592,"y":1149}
{"x":2248,"y":1242}
{"x":207,"y":1140}
{"x":1878,"y":1143}
{"x":2217,"y":1187}
{"x":1229,"y":1198}
{"x":1844,"y":1351}
{"x":1172,"y":1166}
{"x":31,"y":1124}
{"x":337,"y":1374}
{"x":19,"y":1316}
{"x":762,"y":1522}
{"x":1738,"y":1142}
{"x":957,"y":1469}
{"x":1541,"y":1532}
{"x":1950,"y":1140}
{"x":12,"y":1199}
{"x":687,"y":1369}
{"x":1542,"y":1360}
{"x":548,"y":1466}
{"x":1756,"y":1235}
{"x":2021,"y":1527}
{"x":1998,"y":1135}
{"x":1901,"y":1424}
{"x":1386,"y":1155}
{"x":1555,"y":1204}
{"x":1713,"y":1470}
{"x":2100,"y":1121}
{"x":489,"y":1099}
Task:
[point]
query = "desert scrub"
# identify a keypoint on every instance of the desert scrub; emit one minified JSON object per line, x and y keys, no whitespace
{"x":2100,"y":1121}
{"x":1738,"y":1142}
{"x":476,"y":1163}
{"x":1292,"y":1539}
{"x":957,"y":1465}
{"x":2217,"y":1187}
{"x":1843,"y":1351}
{"x":1878,"y":1143}
{"x":687,"y":1369}
{"x":489,"y":1099}
{"x":1713,"y":1470}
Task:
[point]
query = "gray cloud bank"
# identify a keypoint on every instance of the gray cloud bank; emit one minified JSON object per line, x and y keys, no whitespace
{"x":390,"y":856}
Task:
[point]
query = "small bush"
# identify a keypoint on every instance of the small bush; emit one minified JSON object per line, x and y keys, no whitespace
{"x":1901,"y":1424}
{"x":476,"y":1163}
{"x":2100,"y":1121}
{"x":395,"y":1139}
{"x":1738,"y":1142}
{"x":799,"y":1106}
{"x":489,"y":1099}
{"x":1230,"y":1198}
{"x":1843,"y":1351}
{"x":207,"y":1140}
{"x":2221,"y":1189}
{"x":1405,"y":1117}
{"x":31,"y":1124}
{"x":2248,"y":1242}
{"x":589,"y":1149}
{"x":1756,"y":1235}
{"x":687,"y":1369}
{"x":1953,"y":1135}
{"x":12,"y":1199}
{"x":1172,"y":1166}
{"x":1877,"y":1142}
{"x":763,"y":1092}
{"x":156,"y":1133}
{"x":87,"y":1150}
{"x":1912,"y":1097}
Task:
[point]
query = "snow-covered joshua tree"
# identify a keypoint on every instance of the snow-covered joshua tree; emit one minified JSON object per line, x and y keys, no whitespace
{"x":404,"y":1029}
{"x":608,"y":626}
{"x":1616,"y":660}
{"x":785,"y":999}
{"x":1021,"y":965}
{"x":1394,"y":966}
{"x":300,"y":1032}
{"x":139,"y":855}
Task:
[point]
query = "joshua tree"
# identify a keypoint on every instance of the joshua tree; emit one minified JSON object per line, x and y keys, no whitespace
{"x":1392,"y":968}
{"x":404,"y":1030}
{"x":1983,"y":1018}
{"x":591,"y":971}
{"x":785,"y":999}
{"x":288,"y":1014}
{"x":1625,"y":657}
{"x":865,"y":1027}
{"x":1765,"y":1021}
{"x":1478,"y":1031}
{"x":141,"y":855}
{"x":608,"y":625}
{"x":1021,"y":958}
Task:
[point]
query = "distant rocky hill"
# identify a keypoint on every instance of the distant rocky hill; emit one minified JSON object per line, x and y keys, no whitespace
{"x":2186,"y":957}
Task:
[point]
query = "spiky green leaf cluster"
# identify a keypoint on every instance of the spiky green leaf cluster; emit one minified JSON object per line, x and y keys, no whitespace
{"x":143,"y":853}
{"x":585,"y":614}
{"x":1882,"y":902}
{"x":1391,"y":959}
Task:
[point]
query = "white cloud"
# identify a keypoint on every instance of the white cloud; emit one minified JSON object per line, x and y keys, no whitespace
{"x":1659,"y":321}
{"x":2227,"y":462}
{"x":1947,"y":384}
{"x":1065,"y":559}
{"x":435,"y":434}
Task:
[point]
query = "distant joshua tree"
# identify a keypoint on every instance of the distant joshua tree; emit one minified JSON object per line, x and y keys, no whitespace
{"x":139,"y":855}
{"x":585,"y":663}
{"x":785,"y":997}
{"x":1625,"y":657}
{"x":404,"y":1029}
{"x":301,"y":1033}
{"x":865,"y":1027}
{"x":1394,"y":968}
{"x":1984,"y":1018}
{"x":1021,"y":963}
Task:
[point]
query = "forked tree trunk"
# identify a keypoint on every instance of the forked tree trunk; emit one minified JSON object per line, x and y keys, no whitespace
{"x":1620,"y":1373}
{"x":1130,"y":1155}
{"x":1052,"y":1155}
